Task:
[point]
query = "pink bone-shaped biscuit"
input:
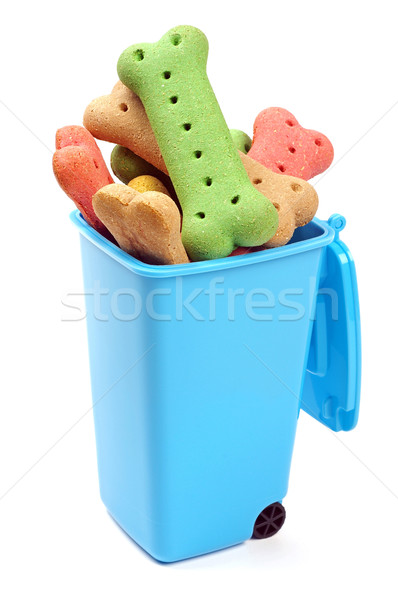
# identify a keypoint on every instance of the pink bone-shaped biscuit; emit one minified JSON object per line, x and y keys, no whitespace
{"x":81,"y":171}
{"x":281,"y":144}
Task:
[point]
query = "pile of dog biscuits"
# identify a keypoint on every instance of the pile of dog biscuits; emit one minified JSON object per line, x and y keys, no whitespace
{"x":191,"y":189}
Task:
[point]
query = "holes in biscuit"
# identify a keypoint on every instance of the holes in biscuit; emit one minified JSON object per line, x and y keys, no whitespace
{"x":187,"y":126}
{"x":200,"y":215}
{"x":197,"y":154}
{"x":138,"y":55}
{"x":281,"y":168}
{"x":123,"y":107}
{"x":289,"y":123}
{"x":96,"y":164}
{"x":174,"y":99}
{"x":296,"y":187}
{"x":318,"y":142}
{"x":235,"y":200}
{"x":166,"y":75}
{"x":257,"y":181}
{"x":277,"y":206}
{"x":292,"y":150}
{"x":208,"y":181}
{"x":175,"y":39}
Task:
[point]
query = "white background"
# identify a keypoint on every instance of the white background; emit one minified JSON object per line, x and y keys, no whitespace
{"x":334,"y":65}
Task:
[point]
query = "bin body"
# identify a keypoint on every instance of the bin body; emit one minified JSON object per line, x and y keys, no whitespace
{"x":196,"y":374}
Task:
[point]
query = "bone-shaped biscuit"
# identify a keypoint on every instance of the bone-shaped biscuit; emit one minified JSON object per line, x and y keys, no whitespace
{"x":297,"y":200}
{"x":147,"y":226}
{"x":80,"y":170}
{"x":284,"y":146}
{"x":120,"y":118}
{"x":221,"y":209}
{"x":241,"y":140}
{"x":148,"y":183}
{"x":127,"y":165}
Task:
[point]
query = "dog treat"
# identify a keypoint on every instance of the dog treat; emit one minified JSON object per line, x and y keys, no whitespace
{"x":281,"y":144}
{"x":127,"y":165}
{"x":221,"y":210}
{"x":120,"y":118}
{"x":80,"y":170}
{"x":147,"y":226}
{"x":297,"y":199}
{"x":147,"y":183}
{"x":241,"y":140}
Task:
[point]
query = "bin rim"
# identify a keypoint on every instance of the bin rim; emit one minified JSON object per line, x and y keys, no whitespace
{"x":219,"y":264}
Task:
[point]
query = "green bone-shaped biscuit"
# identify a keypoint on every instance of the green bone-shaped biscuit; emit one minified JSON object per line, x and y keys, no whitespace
{"x":221,"y":208}
{"x":241,"y":140}
{"x":126,"y":165}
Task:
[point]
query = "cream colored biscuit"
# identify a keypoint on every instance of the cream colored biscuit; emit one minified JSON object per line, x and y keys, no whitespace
{"x":120,"y":118}
{"x":148,"y":183}
{"x":147,"y":226}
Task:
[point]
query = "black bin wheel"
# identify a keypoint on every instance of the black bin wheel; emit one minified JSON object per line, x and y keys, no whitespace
{"x":269,"y":521}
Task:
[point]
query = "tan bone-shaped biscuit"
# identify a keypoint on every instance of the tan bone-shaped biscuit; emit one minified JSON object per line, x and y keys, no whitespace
{"x":295,"y":199}
{"x":121,"y":118}
{"x":147,"y":225}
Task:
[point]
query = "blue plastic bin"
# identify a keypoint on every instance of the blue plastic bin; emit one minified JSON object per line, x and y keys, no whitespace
{"x":198,"y":375}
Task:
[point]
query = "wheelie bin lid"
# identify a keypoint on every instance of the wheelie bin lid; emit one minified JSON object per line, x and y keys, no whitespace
{"x":331,"y":387}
